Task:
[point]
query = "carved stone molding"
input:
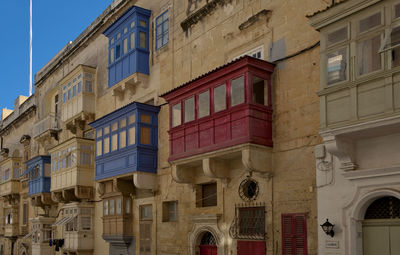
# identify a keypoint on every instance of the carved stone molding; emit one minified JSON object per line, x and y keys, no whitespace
{"x":202,"y":224}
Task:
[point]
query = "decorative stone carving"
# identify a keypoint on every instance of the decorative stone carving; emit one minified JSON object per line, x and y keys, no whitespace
{"x":202,"y":224}
{"x":343,"y":149}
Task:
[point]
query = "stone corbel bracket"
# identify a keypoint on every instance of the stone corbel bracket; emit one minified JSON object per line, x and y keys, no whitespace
{"x":124,"y":186}
{"x":142,"y":180}
{"x":217,"y":164}
{"x":216,"y":168}
{"x":182,"y":173}
{"x":130,"y":84}
{"x":343,"y":149}
{"x":257,"y":159}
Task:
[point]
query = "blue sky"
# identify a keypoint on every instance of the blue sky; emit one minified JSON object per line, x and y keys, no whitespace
{"x":55,"y":23}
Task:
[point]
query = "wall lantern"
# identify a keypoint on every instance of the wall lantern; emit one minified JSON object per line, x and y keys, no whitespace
{"x":328,"y":228}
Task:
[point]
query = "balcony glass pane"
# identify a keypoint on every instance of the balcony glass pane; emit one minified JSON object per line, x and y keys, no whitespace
{"x":189,"y":109}
{"x":369,"y":59}
{"x":114,"y":142}
{"x":106,"y":130}
{"x":112,"y":55}
{"x":114,"y":126}
{"x":395,"y":42}
{"x":125,"y":45}
{"x":260,"y":92}
{"x":105,"y":207}
{"x":204,"y":104}
{"x":237,"y":91}
{"x":220,"y":98}
{"x":111,"y":209}
{"x":106,"y":145}
{"x":370,"y":22}
{"x":131,"y":136}
{"x":131,"y":119}
{"x":145,"y":135}
{"x":99,"y":133}
{"x":86,"y":222}
{"x":336,"y":66}
{"x":142,"y":40}
{"x":132,"y":40}
{"x":122,"y":139}
{"x":122,"y":123}
{"x":176,"y":115}
{"x":118,"y":205}
{"x":337,"y":36}
{"x":144,"y":118}
{"x":117,"y":51}
{"x":98,"y":148}
{"x":127,"y":205}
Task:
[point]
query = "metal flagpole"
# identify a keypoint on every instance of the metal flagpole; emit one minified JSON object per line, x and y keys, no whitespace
{"x":30,"y":47}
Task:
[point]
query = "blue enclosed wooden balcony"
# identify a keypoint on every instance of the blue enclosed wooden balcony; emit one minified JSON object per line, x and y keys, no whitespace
{"x":126,"y":143}
{"x":128,"y":45}
{"x":38,"y":172}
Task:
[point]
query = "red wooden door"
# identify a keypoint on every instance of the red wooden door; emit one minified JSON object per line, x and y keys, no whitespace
{"x":251,"y":248}
{"x":294,"y":234}
{"x":208,"y":250}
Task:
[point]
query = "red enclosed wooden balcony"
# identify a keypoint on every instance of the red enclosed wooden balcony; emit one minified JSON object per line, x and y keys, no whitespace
{"x":228,"y":106}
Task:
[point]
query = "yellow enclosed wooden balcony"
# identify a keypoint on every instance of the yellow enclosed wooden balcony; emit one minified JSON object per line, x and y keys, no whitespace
{"x":72,"y":170}
{"x":78,"y":99}
{"x":75,"y":227}
{"x":11,"y":227}
{"x":10,"y":172}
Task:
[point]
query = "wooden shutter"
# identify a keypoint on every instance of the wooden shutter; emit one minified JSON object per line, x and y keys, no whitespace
{"x":294,"y":234}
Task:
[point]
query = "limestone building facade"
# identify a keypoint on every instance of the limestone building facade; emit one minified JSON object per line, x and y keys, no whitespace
{"x":170,"y":127}
{"x":358,"y":162}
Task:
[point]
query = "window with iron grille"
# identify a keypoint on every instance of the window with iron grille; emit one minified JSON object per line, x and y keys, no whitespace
{"x":252,"y":221}
{"x":294,"y":234}
{"x":384,"y":208}
{"x":249,"y":222}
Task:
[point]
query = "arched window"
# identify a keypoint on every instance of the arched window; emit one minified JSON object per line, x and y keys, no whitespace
{"x":384,"y":208}
{"x":208,"y":239}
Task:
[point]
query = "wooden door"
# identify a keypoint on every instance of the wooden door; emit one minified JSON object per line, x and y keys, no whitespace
{"x":382,"y":239}
{"x":208,"y":250}
{"x":251,"y":247}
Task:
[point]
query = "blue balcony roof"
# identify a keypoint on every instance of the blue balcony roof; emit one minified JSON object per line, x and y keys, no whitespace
{"x":134,"y":10}
{"x":116,"y":156}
